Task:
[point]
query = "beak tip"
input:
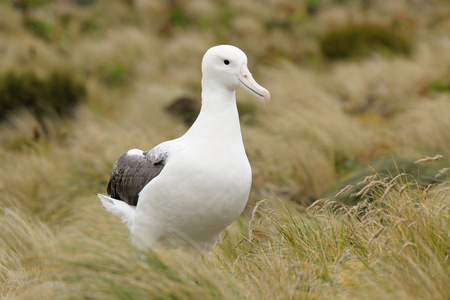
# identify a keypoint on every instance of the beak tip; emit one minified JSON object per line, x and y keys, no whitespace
{"x":266,"y":97}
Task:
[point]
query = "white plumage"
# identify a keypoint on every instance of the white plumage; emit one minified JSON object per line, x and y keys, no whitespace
{"x":192,"y":187}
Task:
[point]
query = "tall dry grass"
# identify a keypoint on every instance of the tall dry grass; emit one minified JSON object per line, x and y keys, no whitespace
{"x":329,"y":125}
{"x":394,"y":245}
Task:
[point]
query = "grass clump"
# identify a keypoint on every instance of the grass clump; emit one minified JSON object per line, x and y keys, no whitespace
{"x":25,"y":5}
{"x":115,"y":74}
{"x":393,"y":246}
{"x":39,"y":28}
{"x":177,"y":16}
{"x":359,"y":40}
{"x":58,"y":93}
{"x":441,"y":86}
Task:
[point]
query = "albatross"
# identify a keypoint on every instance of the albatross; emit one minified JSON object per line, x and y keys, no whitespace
{"x":196,"y":185}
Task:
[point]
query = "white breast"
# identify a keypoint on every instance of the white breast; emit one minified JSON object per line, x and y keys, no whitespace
{"x":199,"y":193}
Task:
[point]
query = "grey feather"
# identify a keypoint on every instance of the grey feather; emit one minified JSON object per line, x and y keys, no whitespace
{"x":131,"y":173}
{"x":158,"y":154}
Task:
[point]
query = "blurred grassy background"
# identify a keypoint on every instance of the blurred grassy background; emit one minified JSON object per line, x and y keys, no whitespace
{"x":357,"y":87}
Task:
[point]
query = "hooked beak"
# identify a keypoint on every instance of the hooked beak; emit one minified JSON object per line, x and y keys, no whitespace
{"x":247,"y":83}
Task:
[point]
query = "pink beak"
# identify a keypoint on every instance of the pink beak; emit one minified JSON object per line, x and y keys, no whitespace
{"x":250,"y":85}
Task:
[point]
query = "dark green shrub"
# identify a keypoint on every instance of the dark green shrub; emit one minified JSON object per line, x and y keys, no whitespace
{"x":442,"y":86}
{"x":115,"y":73}
{"x":89,"y":26}
{"x":84,"y":2}
{"x":39,"y":28}
{"x":177,"y":16}
{"x":25,"y":5}
{"x":56,"y":94}
{"x":312,"y":6}
{"x":359,"y":40}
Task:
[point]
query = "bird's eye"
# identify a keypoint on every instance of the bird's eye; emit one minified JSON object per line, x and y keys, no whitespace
{"x":226,"y":61}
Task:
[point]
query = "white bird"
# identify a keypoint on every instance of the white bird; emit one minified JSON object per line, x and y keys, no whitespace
{"x":194,"y":186}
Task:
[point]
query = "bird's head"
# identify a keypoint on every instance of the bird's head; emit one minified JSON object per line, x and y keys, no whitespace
{"x":227,"y":65}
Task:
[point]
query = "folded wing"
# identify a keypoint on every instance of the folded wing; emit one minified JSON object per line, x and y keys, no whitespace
{"x":131,"y":173}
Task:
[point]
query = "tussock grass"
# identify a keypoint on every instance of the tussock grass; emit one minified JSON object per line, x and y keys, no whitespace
{"x":359,"y":40}
{"x":393,"y":246}
{"x":23,"y":240}
{"x":313,"y":128}
{"x":27,"y":53}
{"x":433,"y":135}
{"x":329,"y":125}
{"x":387,"y":87}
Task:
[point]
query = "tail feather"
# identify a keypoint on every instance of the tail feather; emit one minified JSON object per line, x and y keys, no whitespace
{"x":120,"y":209}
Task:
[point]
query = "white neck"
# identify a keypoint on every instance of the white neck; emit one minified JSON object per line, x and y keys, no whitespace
{"x":218,"y":121}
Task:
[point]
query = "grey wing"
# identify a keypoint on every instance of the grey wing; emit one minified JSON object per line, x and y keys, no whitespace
{"x":130,"y":174}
